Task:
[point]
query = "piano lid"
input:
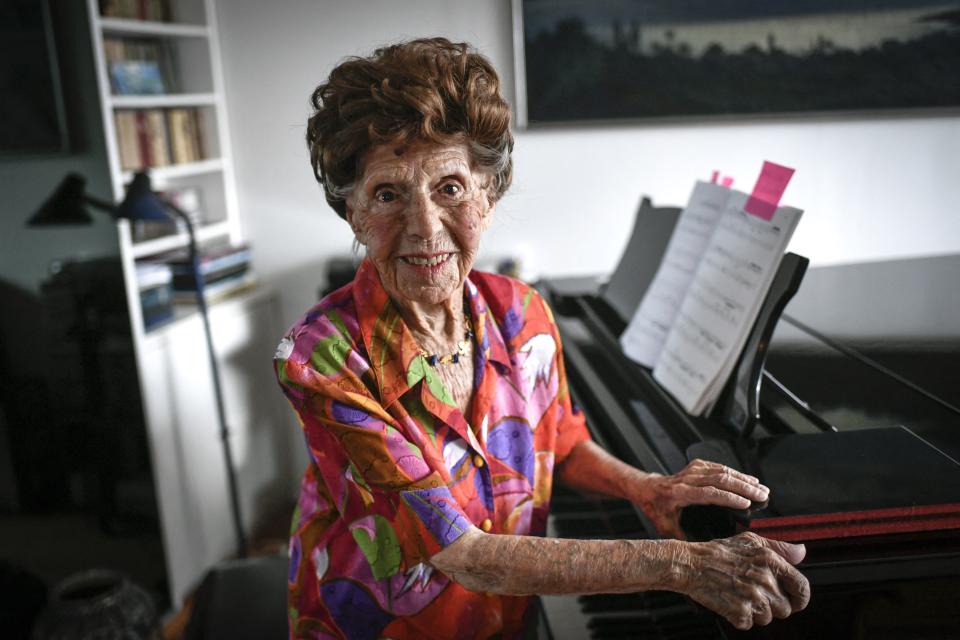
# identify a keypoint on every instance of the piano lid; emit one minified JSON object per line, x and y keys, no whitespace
{"x":903,"y":315}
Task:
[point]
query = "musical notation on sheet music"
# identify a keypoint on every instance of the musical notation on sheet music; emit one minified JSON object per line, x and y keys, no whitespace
{"x":724,"y":297}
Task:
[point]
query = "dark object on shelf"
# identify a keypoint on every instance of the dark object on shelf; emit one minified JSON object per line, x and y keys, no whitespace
{"x":242,"y":599}
{"x":98,"y":604}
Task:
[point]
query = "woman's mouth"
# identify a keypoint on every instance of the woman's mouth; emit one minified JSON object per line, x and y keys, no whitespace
{"x":428,"y":262}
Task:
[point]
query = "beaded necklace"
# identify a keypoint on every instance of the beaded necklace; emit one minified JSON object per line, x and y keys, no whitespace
{"x":463,"y":347}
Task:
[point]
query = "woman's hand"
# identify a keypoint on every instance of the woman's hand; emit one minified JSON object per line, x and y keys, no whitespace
{"x":700,"y":482}
{"x":746,"y":579}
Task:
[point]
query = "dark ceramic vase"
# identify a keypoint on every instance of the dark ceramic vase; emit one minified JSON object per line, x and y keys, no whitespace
{"x":98,"y":605}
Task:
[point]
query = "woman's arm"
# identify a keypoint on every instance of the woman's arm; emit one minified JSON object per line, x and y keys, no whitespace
{"x":589,"y":468}
{"x":746,"y":579}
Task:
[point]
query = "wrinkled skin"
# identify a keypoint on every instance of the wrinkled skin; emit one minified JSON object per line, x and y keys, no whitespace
{"x":700,"y":482}
{"x":661,"y":497}
{"x":747,"y":579}
{"x":420,"y":200}
{"x":416,"y":202}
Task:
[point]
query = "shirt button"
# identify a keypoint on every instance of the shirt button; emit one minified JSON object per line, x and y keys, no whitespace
{"x":486,"y":525}
{"x":478,"y":461}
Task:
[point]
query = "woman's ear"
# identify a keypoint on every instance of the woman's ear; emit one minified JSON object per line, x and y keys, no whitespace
{"x":486,"y":217}
{"x":357,"y":229}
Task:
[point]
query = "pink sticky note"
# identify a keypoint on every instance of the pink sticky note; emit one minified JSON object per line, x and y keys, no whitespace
{"x":769,"y":189}
{"x":726,"y":182}
{"x":714,"y":176}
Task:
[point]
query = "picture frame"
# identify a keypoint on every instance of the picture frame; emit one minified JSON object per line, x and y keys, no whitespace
{"x":590,"y":61}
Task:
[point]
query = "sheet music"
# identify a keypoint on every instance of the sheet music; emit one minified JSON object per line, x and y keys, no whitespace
{"x":722,"y":303}
{"x":644,"y":337}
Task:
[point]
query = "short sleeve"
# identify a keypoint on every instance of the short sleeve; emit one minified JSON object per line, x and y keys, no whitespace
{"x":571,"y":423}
{"x":399,"y":511}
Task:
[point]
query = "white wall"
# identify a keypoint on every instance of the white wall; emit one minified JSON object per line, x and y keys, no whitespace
{"x":872,"y":188}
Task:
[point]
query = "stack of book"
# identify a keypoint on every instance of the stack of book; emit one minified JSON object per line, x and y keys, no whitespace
{"x":155,"y":10}
{"x":155,"y":280}
{"x":140,"y":67}
{"x":158,"y":137}
{"x":224,"y":269}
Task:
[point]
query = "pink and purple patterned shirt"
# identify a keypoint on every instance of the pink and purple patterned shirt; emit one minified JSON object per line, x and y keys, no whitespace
{"x":397,"y":472}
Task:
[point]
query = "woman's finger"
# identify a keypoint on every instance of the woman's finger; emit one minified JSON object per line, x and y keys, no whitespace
{"x":686,"y":495}
{"x":792,"y":583}
{"x":707,"y":465}
{"x":732,"y":483}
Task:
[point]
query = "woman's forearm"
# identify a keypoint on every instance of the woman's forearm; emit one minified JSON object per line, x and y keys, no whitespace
{"x":590,"y":468}
{"x":747,"y":579}
{"x":527,"y":565}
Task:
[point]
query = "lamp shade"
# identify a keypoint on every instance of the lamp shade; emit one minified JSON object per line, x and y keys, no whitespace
{"x":65,"y":206}
{"x":140,"y":203}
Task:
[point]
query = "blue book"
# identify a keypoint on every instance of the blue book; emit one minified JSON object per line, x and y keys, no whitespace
{"x":137,"y":78}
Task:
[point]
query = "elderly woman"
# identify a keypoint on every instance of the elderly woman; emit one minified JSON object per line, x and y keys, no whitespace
{"x":434,"y":400}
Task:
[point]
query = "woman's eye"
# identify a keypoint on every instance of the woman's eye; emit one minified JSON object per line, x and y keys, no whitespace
{"x":385,"y":196}
{"x":451,"y":189}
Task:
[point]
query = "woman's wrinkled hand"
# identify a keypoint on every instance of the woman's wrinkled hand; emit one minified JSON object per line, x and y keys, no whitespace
{"x":747,"y":579}
{"x":700,"y":482}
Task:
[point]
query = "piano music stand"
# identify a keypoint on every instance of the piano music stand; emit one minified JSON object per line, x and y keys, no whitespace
{"x":739,"y":403}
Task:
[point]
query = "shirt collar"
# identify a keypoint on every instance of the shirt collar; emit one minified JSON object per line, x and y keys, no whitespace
{"x":485,"y":327}
{"x":394,"y":356}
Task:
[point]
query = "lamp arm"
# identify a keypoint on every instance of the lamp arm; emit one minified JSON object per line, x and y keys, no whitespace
{"x":104,"y":205}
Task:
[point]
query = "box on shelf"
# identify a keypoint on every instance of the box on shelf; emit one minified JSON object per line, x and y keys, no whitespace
{"x":155,"y":280}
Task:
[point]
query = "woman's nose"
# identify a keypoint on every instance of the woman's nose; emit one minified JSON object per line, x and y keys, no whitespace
{"x":424,"y":217}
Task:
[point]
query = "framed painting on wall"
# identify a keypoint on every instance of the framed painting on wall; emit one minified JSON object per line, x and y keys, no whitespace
{"x":599,"y":60}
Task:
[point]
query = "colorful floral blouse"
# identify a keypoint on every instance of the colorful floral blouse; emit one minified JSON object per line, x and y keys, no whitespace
{"x":397,"y":472}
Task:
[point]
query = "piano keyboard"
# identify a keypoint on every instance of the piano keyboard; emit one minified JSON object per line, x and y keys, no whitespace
{"x":653,"y":614}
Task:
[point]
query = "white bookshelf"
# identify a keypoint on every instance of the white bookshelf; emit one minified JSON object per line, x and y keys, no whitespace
{"x":175,"y":380}
{"x":125,"y":27}
{"x":193,"y":38}
{"x":163,"y":101}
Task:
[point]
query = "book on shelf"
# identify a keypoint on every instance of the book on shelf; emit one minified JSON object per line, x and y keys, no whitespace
{"x":152,"y":10}
{"x":225,"y":269}
{"x":697,"y":312}
{"x":157,"y":137}
{"x":138,"y":66}
{"x":213,"y":259}
{"x":219,"y":290}
{"x":186,"y":135}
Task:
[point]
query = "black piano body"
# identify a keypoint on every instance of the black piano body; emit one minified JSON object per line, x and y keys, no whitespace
{"x":861,"y":352}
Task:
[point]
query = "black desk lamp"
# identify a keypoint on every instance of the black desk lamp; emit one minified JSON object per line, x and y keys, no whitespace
{"x":67,"y":207}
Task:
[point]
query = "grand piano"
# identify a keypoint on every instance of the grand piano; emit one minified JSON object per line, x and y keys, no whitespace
{"x":854,"y":424}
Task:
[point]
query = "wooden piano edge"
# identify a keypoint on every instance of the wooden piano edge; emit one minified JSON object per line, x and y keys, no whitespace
{"x":804,"y":528}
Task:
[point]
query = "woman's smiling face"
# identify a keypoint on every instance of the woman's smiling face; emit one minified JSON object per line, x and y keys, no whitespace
{"x":420,"y":210}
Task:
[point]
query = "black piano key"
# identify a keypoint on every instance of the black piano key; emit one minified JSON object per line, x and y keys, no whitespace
{"x":652,"y":614}
{"x":659,"y":600}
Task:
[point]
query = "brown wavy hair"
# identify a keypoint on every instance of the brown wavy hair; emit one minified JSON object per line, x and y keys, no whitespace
{"x":427,"y":89}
